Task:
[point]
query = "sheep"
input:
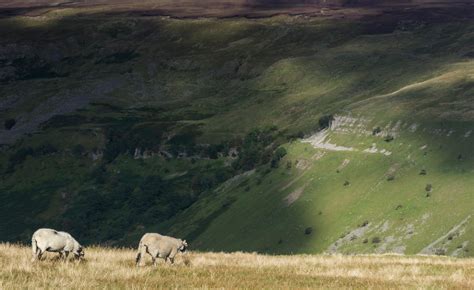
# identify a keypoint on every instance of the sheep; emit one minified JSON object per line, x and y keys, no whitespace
{"x":159,"y":246}
{"x":55,"y":241}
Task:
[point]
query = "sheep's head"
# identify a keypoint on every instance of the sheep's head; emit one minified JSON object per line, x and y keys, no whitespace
{"x":184,"y":246}
{"x":79,"y":252}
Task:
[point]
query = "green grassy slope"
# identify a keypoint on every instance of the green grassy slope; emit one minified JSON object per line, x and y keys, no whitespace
{"x":348,"y":199}
{"x":132,"y":122}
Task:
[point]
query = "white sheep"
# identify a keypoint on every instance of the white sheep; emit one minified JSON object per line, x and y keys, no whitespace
{"x":159,"y":246}
{"x":55,"y":241}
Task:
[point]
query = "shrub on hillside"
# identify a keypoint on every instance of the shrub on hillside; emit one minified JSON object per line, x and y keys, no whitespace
{"x":9,"y":124}
{"x":21,"y":154}
{"x":440,"y":252}
{"x":376,"y":131}
{"x":428,"y":187}
{"x":295,"y":136}
{"x":203,"y":182}
{"x":99,"y":174}
{"x":325,"y":121}
{"x":45,"y":149}
{"x":257,"y":148}
{"x":182,"y":143}
{"x":59,"y":121}
{"x":388,"y":138}
{"x":117,"y":142}
{"x":213,"y":150}
{"x":126,"y":135}
{"x":78,"y":150}
{"x":277,"y":156}
{"x":223,"y":174}
{"x":365,"y":223}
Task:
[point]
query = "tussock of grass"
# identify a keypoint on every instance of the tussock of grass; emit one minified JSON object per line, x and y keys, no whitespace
{"x":114,"y":268}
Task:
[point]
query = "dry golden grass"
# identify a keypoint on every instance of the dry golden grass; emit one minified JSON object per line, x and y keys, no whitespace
{"x":114,"y":268}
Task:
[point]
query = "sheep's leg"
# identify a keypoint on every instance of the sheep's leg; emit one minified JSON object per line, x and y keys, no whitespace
{"x":155,"y":254}
{"x":64,"y":255}
{"x":34,"y":248}
{"x":36,"y":255}
{"x":142,"y":250}
{"x":171,"y":256}
{"x":40,"y":254}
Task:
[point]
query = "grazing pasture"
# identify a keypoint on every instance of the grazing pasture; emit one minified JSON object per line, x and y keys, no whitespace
{"x":109,"y":268}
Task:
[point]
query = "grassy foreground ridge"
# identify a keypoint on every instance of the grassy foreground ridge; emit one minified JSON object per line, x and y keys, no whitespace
{"x":107,"y":268}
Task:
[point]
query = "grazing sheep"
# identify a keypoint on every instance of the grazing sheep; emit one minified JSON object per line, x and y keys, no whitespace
{"x":158,"y":246}
{"x":54,"y":241}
